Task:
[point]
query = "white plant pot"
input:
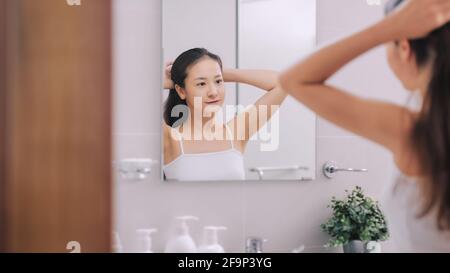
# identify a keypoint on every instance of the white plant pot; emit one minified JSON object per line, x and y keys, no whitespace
{"x":357,"y":246}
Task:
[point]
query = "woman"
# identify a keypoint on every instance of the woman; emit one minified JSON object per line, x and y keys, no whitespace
{"x":194,"y":148}
{"x":417,"y":38}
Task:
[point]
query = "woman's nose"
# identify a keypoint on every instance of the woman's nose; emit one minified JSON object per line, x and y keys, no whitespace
{"x":212,"y":92}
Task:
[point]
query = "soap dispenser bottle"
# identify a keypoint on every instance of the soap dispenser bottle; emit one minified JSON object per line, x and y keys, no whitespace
{"x":116,"y":243}
{"x":182,"y":242}
{"x":145,"y":239}
{"x":210,"y":240}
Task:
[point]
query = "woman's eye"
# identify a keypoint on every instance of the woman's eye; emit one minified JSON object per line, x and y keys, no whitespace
{"x":219,"y":81}
{"x":201,"y":84}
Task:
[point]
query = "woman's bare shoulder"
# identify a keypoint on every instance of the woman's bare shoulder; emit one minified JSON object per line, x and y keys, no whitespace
{"x":406,"y":157}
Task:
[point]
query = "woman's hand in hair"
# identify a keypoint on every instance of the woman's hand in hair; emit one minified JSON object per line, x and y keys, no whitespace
{"x":417,"y":18}
{"x":168,"y":83}
{"x":263,"y":79}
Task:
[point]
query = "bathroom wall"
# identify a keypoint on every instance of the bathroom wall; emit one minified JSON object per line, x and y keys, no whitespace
{"x":287,"y":214}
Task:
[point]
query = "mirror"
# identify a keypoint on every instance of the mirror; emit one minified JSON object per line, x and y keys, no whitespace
{"x":224,"y":117}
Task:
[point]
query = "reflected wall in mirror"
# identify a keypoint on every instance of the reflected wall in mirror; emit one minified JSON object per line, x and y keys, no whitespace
{"x":224,"y":116}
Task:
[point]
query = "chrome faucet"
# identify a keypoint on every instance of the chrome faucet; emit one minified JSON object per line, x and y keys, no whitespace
{"x":254,"y":245}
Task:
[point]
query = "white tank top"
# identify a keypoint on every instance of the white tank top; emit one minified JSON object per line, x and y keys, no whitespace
{"x":222,"y":165}
{"x":408,"y":233}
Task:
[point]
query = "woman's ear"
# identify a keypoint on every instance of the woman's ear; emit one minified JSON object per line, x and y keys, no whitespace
{"x":405,"y":51}
{"x":407,"y":57}
{"x":181,"y":92}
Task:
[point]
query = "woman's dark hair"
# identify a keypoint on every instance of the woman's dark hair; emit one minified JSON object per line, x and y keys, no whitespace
{"x":179,"y":72}
{"x":430,"y":135}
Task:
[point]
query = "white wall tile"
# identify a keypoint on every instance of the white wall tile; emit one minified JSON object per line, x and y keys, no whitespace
{"x":155,"y":204}
{"x":289,"y":214}
{"x":347,"y":14}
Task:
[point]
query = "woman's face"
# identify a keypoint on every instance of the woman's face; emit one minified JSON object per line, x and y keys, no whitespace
{"x":402,"y":61}
{"x":204,"y":84}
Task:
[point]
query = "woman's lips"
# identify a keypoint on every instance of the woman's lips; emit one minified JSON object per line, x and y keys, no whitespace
{"x":212,"y":102}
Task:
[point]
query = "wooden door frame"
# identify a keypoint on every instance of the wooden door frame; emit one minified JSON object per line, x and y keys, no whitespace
{"x":2,"y":121}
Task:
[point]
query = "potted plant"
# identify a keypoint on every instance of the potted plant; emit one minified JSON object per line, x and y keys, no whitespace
{"x":357,"y":223}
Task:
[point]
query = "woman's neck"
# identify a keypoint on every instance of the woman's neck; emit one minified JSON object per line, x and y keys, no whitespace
{"x":424,"y":79}
{"x":200,"y":128}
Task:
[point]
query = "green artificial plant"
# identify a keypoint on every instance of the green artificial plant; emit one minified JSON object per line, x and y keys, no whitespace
{"x":357,"y":217}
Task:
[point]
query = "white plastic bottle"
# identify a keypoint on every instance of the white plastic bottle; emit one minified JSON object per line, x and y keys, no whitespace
{"x":211,"y":241}
{"x":182,"y":242}
{"x":145,"y":239}
{"x":116,"y":245}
